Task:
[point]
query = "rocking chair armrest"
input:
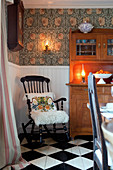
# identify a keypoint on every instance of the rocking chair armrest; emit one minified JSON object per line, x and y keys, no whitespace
{"x":60,"y":99}
{"x":29,"y":106}
{"x":59,"y":103}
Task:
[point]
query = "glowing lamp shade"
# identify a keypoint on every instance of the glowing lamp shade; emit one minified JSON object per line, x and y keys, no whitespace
{"x":83,"y":74}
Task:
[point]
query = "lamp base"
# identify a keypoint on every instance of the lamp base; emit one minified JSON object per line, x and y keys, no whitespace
{"x":47,"y":51}
{"x":83,"y":80}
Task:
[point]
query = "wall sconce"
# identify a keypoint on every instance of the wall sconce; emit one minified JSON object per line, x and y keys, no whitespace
{"x":83,"y":74}
{"x":47,"y":46}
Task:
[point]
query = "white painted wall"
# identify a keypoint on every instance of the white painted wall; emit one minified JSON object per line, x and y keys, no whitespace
{"x":10,"y":1}
{"x":14,"y":80}
{"x":59,"y":76}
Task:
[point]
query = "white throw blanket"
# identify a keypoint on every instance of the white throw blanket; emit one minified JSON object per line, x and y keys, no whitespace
{"x":51,"y":117}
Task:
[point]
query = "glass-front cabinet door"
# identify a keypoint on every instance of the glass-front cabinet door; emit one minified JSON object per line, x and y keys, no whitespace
{"x":86,"y":47}
{"x":107,"y":47}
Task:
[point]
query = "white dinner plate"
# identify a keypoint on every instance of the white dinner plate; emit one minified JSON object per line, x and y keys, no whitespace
{"x":109,"y":110}
{"x":107,"y":115}
{"x":103,"y":108}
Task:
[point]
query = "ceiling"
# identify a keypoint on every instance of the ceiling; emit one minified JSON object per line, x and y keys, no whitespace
{"x":68,"y":3}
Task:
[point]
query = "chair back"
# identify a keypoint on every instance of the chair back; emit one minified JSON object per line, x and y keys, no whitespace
{"x":98,"y":138}
{"x":35,"y":84}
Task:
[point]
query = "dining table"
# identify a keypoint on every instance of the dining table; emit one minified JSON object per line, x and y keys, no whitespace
{"x":107,"y":128}
{"x":106,"y":110}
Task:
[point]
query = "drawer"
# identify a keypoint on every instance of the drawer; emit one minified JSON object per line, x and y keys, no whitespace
{"x":79,"y":90}
{"x":84,"y":90}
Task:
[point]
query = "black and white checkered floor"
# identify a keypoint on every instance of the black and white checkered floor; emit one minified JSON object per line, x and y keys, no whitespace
{"x":76,"y":154}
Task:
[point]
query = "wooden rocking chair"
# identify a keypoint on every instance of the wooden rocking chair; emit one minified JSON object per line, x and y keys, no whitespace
{"x":40,"y":85}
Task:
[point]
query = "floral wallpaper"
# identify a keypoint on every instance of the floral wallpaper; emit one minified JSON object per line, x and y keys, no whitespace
{"x":54,"y":25}
{"x":13,"y":57}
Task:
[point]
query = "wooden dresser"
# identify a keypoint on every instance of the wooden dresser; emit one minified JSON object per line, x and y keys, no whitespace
{"x":80,"y":121}
{"x":94,"y":50}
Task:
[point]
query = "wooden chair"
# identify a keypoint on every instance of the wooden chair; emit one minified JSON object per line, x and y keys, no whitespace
{"x":100,"y":155}
{"x":107,"y":128}
{"x":38,"y":85}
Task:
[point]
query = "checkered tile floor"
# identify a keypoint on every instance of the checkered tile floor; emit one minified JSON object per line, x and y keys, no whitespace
{"x":76,"y":154}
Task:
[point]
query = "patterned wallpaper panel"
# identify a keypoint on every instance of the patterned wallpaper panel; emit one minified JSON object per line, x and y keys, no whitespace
{"x":13,"y":57}
{"x":54,"y":25}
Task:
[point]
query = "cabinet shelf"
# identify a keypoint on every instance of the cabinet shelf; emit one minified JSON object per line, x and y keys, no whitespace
{"x":110,"y":44}
{"x":85,"y":51}
{"x":86,"y":44}
{"x":86,"y":54}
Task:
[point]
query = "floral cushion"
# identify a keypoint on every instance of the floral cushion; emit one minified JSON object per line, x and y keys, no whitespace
{"x":43,"y":104}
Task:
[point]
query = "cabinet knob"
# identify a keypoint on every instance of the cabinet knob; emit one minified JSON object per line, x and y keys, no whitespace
{"x":98,"y":45}
{"x":104,"y":45}
{"x":85,"y":89}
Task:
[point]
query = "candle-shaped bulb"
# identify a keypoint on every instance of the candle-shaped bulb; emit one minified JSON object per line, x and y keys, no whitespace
{"x":47,"y":44}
